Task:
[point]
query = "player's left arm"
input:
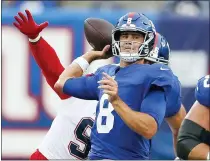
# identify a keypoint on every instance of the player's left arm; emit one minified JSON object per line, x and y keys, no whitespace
{"x":147,"y":121}
{"x":175,"y":122}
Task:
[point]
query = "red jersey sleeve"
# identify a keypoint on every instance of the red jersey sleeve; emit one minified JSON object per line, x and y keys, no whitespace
{"x":49,"y":63}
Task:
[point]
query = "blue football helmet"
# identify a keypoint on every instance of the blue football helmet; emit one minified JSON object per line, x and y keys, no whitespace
{"x":134,"y":22}
{"x":160,"y":52}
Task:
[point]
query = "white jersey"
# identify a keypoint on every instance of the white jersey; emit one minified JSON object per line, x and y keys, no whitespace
{"x":68,"y":136}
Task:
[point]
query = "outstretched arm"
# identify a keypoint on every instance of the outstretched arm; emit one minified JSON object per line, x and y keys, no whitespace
{"x":43,"y":53}
{"x":49,"y":63}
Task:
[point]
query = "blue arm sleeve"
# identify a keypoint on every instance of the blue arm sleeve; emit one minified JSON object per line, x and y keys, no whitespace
{"x":174,"y":99}
{"x":85,"y":87}
{"x":172,"y":88}
{"x":154,"y":104}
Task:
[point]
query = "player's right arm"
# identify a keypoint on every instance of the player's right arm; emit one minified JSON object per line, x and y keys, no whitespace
{"x":194,"y":134}
{"x":42,"y":52}
{"x":71,"y":81}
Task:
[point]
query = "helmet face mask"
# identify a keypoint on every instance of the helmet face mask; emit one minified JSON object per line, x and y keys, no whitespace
{"x":133,"y":50}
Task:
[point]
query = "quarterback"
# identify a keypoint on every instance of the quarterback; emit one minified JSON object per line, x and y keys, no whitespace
{"x":132,"y":95}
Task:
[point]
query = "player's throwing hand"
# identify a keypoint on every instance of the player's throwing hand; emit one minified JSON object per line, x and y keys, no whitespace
{"x":99,"y":54}
{"x":109,"y":86}
{"x":27,"y":25}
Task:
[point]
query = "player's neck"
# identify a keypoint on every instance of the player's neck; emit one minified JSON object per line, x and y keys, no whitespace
{"x":125,"y":64}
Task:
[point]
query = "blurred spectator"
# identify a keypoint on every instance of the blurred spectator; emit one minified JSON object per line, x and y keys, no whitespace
{"x":99,"y":5}
{"x":6,"y":4}
{"x":36,"y":7}
{"x":113,"y":5}
{"x":205,"y":7}
{"x":185,"y":8}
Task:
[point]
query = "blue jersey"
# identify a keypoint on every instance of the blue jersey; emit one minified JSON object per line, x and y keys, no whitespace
{"x":202,"y":91}
{"x":173,"y":101}
{"x":111,"y":138}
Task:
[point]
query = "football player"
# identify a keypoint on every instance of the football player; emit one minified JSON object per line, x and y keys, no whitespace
{"x":194,"y":135}
{"x":68,"y":136}
{"x":132,"y":96}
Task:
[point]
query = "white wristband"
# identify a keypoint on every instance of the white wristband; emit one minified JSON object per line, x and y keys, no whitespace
{"x":208,"y":156}
{"x":36,"y":39}
{"x":82,"y":62}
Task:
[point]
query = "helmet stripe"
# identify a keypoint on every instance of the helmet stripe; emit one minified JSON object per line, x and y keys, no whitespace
{"x":131,"y":14}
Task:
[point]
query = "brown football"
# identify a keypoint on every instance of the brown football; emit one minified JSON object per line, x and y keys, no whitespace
{"x":98,"y":33}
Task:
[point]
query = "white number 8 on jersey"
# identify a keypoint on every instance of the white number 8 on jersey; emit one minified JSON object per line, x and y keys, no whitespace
{"x":105,"y":112}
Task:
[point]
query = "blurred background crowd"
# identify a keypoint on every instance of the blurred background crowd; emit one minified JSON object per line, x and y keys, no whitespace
{"x":29,"y":105}
{"x":187,"y":8}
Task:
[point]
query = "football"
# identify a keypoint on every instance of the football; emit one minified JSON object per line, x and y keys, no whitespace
{"x":98,"y":33}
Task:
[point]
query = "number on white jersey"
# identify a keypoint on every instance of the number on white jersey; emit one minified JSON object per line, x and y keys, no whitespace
{"x":80,"y":134}
{"x":105,"y":112}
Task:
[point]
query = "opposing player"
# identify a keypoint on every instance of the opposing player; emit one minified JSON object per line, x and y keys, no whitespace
{"x":68,"y":136}
{"x":194,"y":135}
{"x":132,"y":96}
